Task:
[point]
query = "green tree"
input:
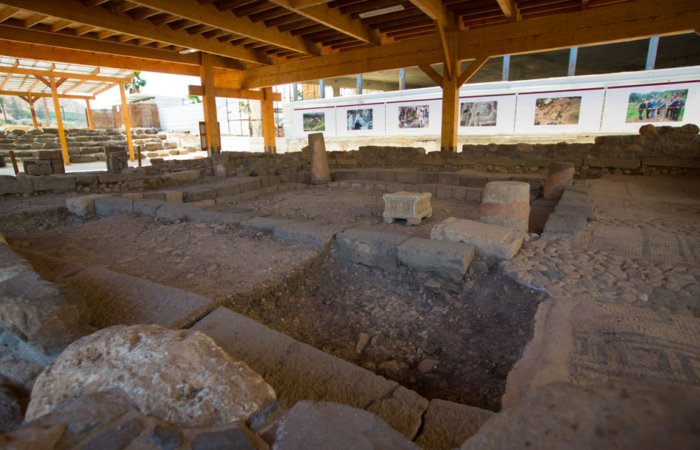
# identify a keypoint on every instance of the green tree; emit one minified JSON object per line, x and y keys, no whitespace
{"x":14,"y":108}
{"x":2,"y":105}
{"x":136,"y":83}
{"x":193,"y":99}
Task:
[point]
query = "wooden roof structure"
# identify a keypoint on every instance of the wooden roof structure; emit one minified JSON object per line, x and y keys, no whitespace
{"x":25,"y":77}
{"x":252,"y":44}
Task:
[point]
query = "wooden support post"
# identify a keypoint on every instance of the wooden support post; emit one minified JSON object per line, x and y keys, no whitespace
{"x":14,"y":162}
{"x":209,"y":104}
{"x":127,"y":122}
{"x":450,"y":97}
{"x":89,"y":115}
{"x":268,"y":119}
{"x":31,"y":108}
{"x":59,"y":121}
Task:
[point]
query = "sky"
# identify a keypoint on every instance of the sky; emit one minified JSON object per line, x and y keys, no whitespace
{"x":156,"y":84}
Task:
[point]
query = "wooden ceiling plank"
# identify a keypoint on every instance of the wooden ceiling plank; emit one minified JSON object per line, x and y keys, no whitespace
{"x":8,"y":12}
{"x":99,"y":17}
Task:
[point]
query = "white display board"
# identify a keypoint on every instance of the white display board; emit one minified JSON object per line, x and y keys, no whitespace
{"x":557,"y":112}
{"x":361,"y":119}
{"x":304,"y":117}
{"x":414,"y":117}
{"x":493,"y":114}
{"x":623,"y":112}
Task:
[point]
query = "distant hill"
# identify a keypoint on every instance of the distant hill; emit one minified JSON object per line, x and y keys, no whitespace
{"x":17,"y":112}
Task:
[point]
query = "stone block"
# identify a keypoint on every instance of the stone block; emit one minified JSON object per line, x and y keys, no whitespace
{"x":251,"y":185}
{"x":449,"y":178}
{"x":136,"y":184}
{"x":565,"y":223}
{"x":133,"y":196}
{"x":429,"y":188}
{"x":119,"y":177}
{"x":309,"y":233}
{"x":21,"y":185}
{"x":585,"y":209}
{"x":447,"y":425}
{"x":85,"y":179}
{"x":506,"y":204}
{"x":148,"y":207}
{"x":117,"y":299}
{"x":202,"y":203}
{"x":187,"y":175}
{"x":491,"y":241}
{"x":83,"y":205}
{"x":427,"y":177}
{"x":54,"y":183}
{"x":410,"y":206}
{"x":613,"y":163}
{"x":265,"y":223}
{"x":407,"y":177}
{"x":197,"y":194}
{"x":107,"y":206}
{"x":503,"y":162}
{"x":341,"y":175}
{"x":218,"y":217}
{"x":469,"y":181}
{"x":444,"y":191}
{"x":320,"y":173}
{"x":174,"y":211}
{"x":386,"y":176}
{"x":366,"y":175}
{"x":371,"y":248}
{"x":449,"y":260}
{"x":682,"y":163}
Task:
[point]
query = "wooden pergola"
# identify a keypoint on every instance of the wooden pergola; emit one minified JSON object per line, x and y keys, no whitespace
{"x":237,"y":46}
{"x":31,"y":79}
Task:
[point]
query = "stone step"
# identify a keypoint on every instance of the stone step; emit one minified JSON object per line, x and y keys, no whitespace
{"x":118,"y":299}
{"x":491,"y":241}
{"x":249,"y":195}
{"x":449,"y":260}
{"x":469,"y":194}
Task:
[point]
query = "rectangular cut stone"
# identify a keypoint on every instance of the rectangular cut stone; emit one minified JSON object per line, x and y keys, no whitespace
{"x":449,"y":178}
{"x":309,"y":233}
{"x":565,"y":223}
{"x":251,"y":185}
{"x":265,"y":223}
{"x":476,"y":182}
{"x":54,"y":183}
{"x":613,"y":163}
{"x":371,"y":248}
{"x":448,"y":260}
{"x":198,"y":194}
{"x":119,"y":177}
{"x":148,"y":207}
{"x":444,"y":192}
{"x":386,"y":176}
{"x":411,"y":206}
{"x":174,"y":196}
{"x":154,"y":196}
{"x":187,"y":175}
{"x":16,"y":186}
{"x":113,"y":205}
{"x":407,"y":177}
{"x":491,"y":241}
{"x":682,"y":163}
{"x":83,"y":205}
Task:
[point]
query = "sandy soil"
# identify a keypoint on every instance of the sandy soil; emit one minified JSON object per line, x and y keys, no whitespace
{"x":213,"y":261}
{"x":354,"y":206}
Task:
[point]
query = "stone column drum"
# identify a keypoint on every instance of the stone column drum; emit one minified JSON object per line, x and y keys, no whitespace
{"x":506,"y":204}
{"x":320,"y":173}
{"x":561,"y":176}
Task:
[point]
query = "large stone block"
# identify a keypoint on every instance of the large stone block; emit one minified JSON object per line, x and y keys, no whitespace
{"x":187,"y":175}
{"x":410,"y":206}
{"x":83,"y":205}
{"x":251,"y":185}
{"x":561,"y":176}
{"x":309,"y":233}
{"x":449,"y":260}
{"x":371,"y":248}
{"x":613,"y":163}
{"x":148,"y":207}
{"x":197,"y":194}
{"x":449,"y":178}
{"x":407,"y":177}
{"x":491,"y":241}
{"x":21,"y":185}
{"x":265,"y":223}
{"x":54,"y":183}
{"x":446,"y":425}
{"x":107,"y":206}
{"x":174,"y":211}
{"x":119,"y":177}
{"x":506,"y":204}
{"x":565,"y":223}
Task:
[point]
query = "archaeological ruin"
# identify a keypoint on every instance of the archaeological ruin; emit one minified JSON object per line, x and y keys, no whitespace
{"x":455,"y":262}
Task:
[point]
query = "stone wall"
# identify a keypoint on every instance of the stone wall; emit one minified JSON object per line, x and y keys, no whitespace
{"x":657,"y":150}
{"x":83,"y":145}
{"x":257,"y":164}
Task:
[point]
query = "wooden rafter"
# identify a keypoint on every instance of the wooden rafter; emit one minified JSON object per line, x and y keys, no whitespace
{"x":332,"y":18}
{"x":443,"y":22}
{"x":100,"y":17}
{"x":7,"y":12}
{"x":210,"y":16}
{"x":81,"y":82}
{"x":509,"y":9}
{"x":67,"y":75}
{"x":244,"y":94}
{"x":621,"y":22}
{"x":432,"y":73}
{"x":470,"y":71}
{"x":33,"y":20}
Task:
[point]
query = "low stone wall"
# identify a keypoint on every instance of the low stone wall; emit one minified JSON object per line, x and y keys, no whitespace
{"x":83,"y":145}
{"x":246,"y":164}
{"x":656,"y":151}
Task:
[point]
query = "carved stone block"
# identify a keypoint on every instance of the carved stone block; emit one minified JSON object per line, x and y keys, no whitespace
{"x":411,"y":206}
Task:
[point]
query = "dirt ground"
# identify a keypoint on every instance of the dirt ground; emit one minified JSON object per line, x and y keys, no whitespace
{"x":213,"y":261}
{"x":456,"y":343}
{"x":325,"y":205}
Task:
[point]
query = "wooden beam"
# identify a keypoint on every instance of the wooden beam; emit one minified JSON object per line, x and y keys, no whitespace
{"x":450,"y":99}
{"x":59,"y":121}
{"x":7,"y":13}
{"x":470,"y":71}
{"x":447,"y":64}
{"x":268,"y":121}
{"x":433,"y":9}
{"x":33,"y":20}
{"x":89,"y":114}
{"x":80,"y":83}
{"x":209,"y":105}
{"x":244,"y":94}
{"x":99,"y":17}
{"x":18,"y":43}
{"x":127,"y":122}
{"x":509,"y":9}
{"x":584,"y":4}
{"x":432,"y":73}
{"x":46,"y":95}
{"x":4,"y":82}
{"x":333,"y":18}
{"x":621,"y":22}
{"x":225,"y":20}
{"x":33,"y":112}
{"x":60,"y":24}
{"x":69,"y":75}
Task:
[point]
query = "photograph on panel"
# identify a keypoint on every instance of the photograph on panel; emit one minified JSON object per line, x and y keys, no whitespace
{"x":657,"y":106}
{"x":414,"y":116}
{"x":360,"y":119}
{"x":315,"y":121}
{"x":557,"y":111}
{"x":478,"y":114}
